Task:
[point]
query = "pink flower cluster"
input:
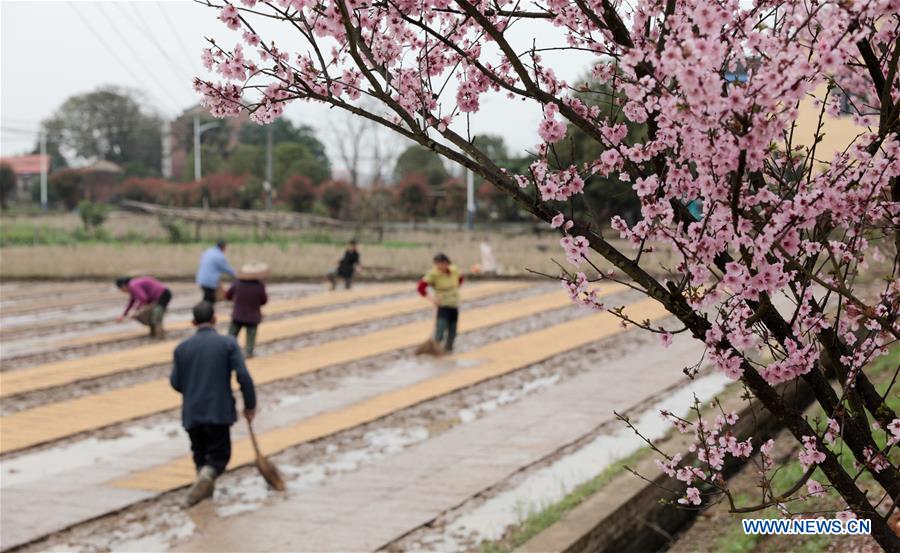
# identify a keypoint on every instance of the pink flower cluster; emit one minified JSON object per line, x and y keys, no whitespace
{"x":712,"y":445}
{"x":810,"y":455}
{"x":580,"y":291}
{"x":556,"y":185}
{"x":550,"y":129}
{"x":894,"y":429}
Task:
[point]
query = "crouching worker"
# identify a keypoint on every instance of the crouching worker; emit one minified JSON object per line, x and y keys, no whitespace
{"x":248,"y":293}
{"x":149,"y":297}
{"x":445,"y":279}
{"x":202,"y":370}
{"x":346,"y":266}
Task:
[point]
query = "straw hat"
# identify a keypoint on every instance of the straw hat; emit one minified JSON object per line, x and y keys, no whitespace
{"x":255,"y":270}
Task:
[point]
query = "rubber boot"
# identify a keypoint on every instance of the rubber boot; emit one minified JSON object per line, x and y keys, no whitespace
{"x":203,"y":486}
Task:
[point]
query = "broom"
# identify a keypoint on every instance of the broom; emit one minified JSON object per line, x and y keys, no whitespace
{"x":268,"y":471}
{"x":430,"y":347}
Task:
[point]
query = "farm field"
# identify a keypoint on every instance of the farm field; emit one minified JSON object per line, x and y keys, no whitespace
{"x":55,"y":247}
{"x":94,"y":459}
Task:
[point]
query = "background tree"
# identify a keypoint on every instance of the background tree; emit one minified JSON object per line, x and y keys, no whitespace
{"x":247,"y":159}
{"x":376,"y":205}
{"x":284,"y":131}
{"x":350,"y":135}
{"x":294,"y":158}
{"x":414,"y":196}
{"x":93,"y":214}
{"x":211,"y":161}
{"x":299,"y":192}
{"x":297,"y":150}
{"x":108,"y":123}
{"x":337,"y":198}
{"x":223,"y":189}
{"x":728,"y":142}
{"x":452,"y":203}
{"x":7,"y":183}
{"x":150,"y":190}
{"x":416,"y":159}
{"x":491,"y":201}
{"x":66,"y":187}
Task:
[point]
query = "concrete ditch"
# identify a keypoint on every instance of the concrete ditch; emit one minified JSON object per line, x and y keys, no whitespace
{"x":632,"y":515}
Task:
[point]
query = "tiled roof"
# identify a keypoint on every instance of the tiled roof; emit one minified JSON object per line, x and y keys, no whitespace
{"x":25,"y":165}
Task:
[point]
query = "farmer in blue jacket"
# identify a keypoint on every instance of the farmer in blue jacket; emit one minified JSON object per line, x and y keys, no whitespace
{"x":202,"y":374}
{"x":213,"y":264}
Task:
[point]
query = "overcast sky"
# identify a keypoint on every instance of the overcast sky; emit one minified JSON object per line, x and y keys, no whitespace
{"x":52,"y":50}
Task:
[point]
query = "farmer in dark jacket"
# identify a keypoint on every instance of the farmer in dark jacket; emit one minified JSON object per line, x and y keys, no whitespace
{"x":346,"y":266}
{"x":248,"y":293}
{"x":202,"y":374}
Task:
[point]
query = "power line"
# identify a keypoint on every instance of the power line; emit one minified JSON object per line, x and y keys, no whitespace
{"x":192,"y":60}
{"x":143,"y":28}
{"x":137,"y":57}
{"x":17,"y":120}
{"x":16,"y":130}
{"x":109,"y":50}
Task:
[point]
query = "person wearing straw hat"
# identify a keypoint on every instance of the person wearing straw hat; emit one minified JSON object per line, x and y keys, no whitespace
{"x":248,"y":293}
{"x":149,"y":297}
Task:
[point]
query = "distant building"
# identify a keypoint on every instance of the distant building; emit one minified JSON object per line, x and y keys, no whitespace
{"x":181,"y":138}
{"x":28,"y":172}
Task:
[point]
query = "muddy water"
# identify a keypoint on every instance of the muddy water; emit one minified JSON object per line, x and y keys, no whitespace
{"x":34,"y":338}
{"x":160,"y":522}
{"x":466,"y":342}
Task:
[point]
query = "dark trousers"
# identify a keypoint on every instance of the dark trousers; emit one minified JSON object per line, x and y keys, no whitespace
{"x":235,"y":328}
{"x":211,"y":445}
{"x":209,"y":294}
{"x":447,"y":318}
{"x":334,"y":275}
{"x":164,"y":298}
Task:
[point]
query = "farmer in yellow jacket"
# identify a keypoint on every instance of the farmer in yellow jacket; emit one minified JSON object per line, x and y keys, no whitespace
{"x":445,"y":279}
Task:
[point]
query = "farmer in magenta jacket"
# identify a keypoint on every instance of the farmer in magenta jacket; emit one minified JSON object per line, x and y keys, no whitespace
{"x":144,"y":292}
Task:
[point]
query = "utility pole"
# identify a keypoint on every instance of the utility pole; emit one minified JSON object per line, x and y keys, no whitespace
{"x":267,"y":184}
{"x":44,"y":170}
{"x":197,"y":170}
{"x":199,"y":130}
{"x":166,"y":168}
{"x":470,"y":199}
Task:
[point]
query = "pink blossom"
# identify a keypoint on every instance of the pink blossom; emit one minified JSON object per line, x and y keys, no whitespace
{"x":814,"y":488}
{"x":844,"y":516}
{"x":833,"y":431}
{"x":229,"y":16}
{"x":894,"y":428}
{"x":550,"y":129}
{"x":665,"y":339}
{"x":557,"y":220}
{"x":875,"y":459}
{"x":810,"y":454}
{"x":576,"y":248}
{"x":692,"y":497}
